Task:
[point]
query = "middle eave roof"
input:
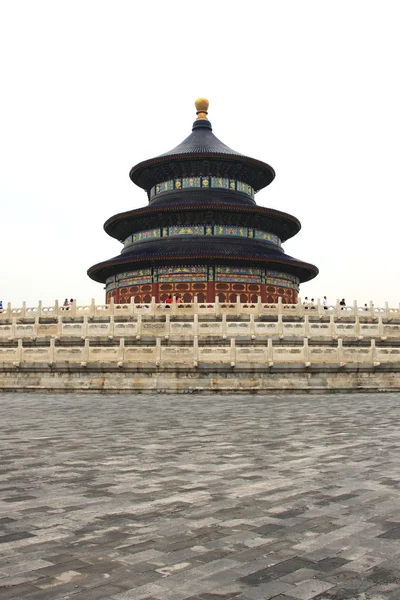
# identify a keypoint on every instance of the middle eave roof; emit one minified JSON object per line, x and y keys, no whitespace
{"x":120,"y":226}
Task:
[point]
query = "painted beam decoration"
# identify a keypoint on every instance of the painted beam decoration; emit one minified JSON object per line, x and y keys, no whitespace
{"x":216,"y":230}
{"x":221,"y":183}
{"x":122,"y":286}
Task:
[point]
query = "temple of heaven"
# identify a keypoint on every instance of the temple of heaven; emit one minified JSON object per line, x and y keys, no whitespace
{"x":202,"y":233}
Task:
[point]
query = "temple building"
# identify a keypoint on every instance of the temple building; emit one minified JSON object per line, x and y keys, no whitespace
{"x":202,"y":233}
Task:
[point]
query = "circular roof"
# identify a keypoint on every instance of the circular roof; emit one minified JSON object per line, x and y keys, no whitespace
{"x":204,"y":250}
{"x":187,"y":159}
{"x":205,"y":210}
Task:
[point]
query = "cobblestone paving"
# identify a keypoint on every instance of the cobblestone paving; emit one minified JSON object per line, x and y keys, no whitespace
{"x":200,"y":497}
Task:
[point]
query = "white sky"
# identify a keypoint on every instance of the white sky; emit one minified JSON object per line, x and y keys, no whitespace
{"x":90,"y":88}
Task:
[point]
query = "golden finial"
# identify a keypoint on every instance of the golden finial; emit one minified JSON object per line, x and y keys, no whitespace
{"x":201,"y":108}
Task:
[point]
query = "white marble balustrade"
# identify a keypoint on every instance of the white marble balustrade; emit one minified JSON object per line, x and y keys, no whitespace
{"x":251,"y":327}
{"x":95,"y":310}
{"x":167,"y":355}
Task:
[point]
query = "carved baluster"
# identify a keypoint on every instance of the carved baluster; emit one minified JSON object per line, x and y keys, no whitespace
{"x":306,"y":327}
{"x":13,"y":327}
{"x":195,"y":351}
{"x":373,"y":353}
{"x":340,"y":357}
{"x":52,"y":352}
{"x":357,"y":328}
{"x":238,"y":306}
{"x":85,"y":353}
{"x":153,"y":305}
{"x":306,"y":353}
{"x":167,"y":326}
{"x":280,"y":327}
{"x":233,"y":352}
{"x":252,"y":328}
{"x":217,"y":308}
{"x":332,"y":328}
{"x":280,"y":306}
{"x":121,"y":352}
{"x":224,"y":326}
{"x":139,"y":327}
{"x":338,"y":313}
{"x":158,"y":351}
{"x":19,"y":354}
{"x":111,"y":329}
{"x":270,"y":353}
{"x":381,"y":329}
{"x":92,"y":309}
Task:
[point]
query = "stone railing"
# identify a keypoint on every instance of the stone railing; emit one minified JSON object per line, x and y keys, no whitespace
{"x":143,"y":326}
{"x":193,"y":355}
{"x":216,"y":309}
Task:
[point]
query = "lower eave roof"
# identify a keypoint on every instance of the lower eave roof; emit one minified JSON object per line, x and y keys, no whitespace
{"x":197,"y":250}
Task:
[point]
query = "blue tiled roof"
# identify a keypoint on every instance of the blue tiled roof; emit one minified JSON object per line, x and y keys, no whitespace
{"x":201,"y":141}
{"x":198,"y":249}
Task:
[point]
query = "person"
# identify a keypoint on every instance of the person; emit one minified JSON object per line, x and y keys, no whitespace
{"x":365,"y":306}
{"x":342,"y":303}
{"x":325,"y":303}
{"x":1,"y":306}
{"x":168,"y":300}
{"x":66,"y":304}
{"x":312,"y":303}
{"x":178,"y":299}
{"x":305,"y":303}
{"x":71,"y":302}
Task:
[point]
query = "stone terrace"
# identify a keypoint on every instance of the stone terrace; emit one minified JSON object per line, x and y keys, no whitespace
{"x":200,"y":497}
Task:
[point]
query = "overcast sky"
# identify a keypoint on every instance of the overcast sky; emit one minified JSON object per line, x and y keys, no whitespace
{"x":90,"y":88}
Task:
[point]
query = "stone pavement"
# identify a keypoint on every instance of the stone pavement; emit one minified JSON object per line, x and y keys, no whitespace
{"x":199,"y":497}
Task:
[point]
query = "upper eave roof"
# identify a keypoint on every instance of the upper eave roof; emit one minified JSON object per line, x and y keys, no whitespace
{"x":189,"y":156}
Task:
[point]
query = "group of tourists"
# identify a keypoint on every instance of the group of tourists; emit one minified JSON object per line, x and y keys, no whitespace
{"x":308,"y":304}
{"x":311,"y":303}
{"x":169,"y":299}
{"x":67,"y":303}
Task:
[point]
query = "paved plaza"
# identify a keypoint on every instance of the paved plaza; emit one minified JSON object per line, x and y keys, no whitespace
{"x":200,"y":497}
